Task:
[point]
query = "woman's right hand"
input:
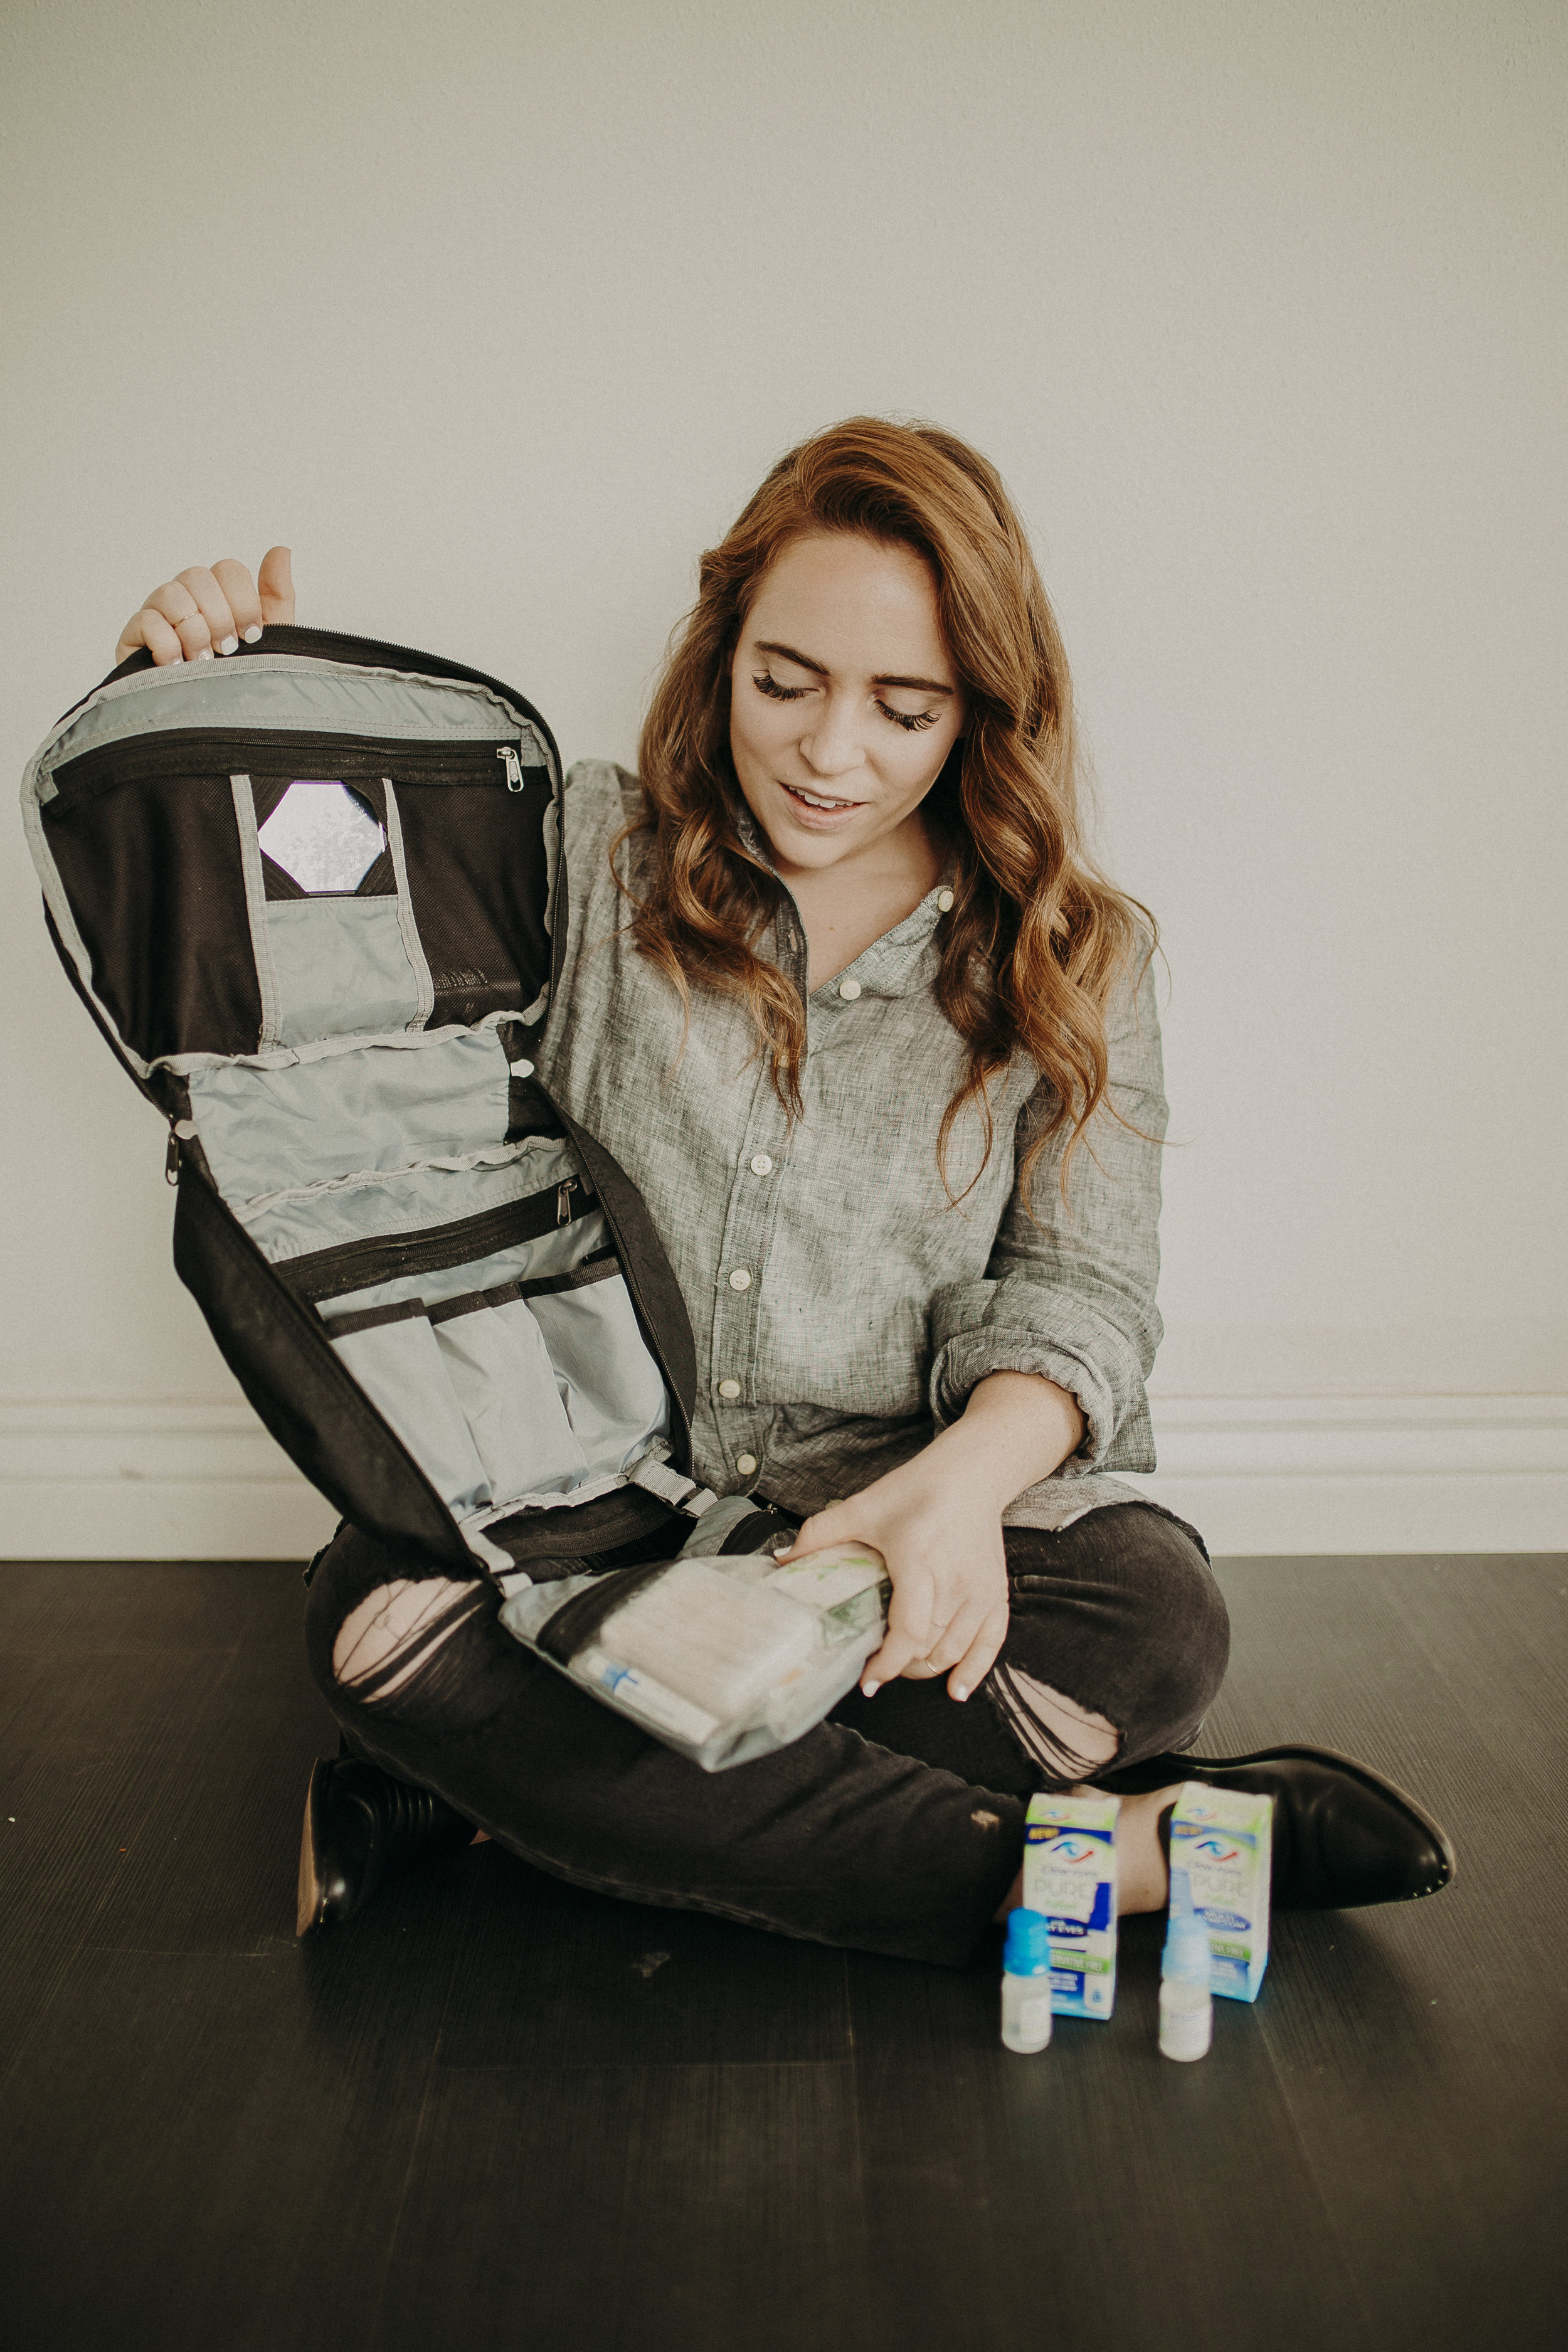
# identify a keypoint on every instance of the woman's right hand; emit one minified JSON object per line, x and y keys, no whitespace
{"x":204,"y":612}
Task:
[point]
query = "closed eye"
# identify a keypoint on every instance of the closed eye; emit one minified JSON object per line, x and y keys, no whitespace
{"x":912,"y":721}
{"x":767,"y":684}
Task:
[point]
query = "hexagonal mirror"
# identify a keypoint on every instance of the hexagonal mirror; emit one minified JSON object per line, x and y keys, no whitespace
{"x":323,"y":836}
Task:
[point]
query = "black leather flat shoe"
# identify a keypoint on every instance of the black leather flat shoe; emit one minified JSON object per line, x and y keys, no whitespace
{"x":1343,"y":1836}
{"x":362,"y":1828}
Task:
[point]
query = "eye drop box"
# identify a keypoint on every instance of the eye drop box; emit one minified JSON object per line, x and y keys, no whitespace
{"x":1223,"y":1838}
{"x":1069,"y":1874}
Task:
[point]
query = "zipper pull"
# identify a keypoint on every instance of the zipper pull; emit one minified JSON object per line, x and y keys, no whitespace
{"x":181,"y":1130}
{"x":563,"y":1193}
{"x":507,"y":753}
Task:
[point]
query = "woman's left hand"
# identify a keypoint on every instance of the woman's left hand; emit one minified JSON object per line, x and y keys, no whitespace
{"x":941,"y":1539}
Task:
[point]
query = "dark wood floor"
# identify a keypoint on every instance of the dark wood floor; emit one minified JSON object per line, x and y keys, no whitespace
{"x":500,"y":2112}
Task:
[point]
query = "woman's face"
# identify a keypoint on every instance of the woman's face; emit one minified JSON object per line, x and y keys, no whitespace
{"x":843,"y":703}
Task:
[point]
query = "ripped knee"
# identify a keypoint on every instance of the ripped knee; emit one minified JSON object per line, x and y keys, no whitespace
{"x":397,"y":1630}
{"x":1068,"y":1741}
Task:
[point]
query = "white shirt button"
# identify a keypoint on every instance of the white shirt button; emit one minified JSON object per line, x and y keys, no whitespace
{"x":745,"y":1463}
{"x":849,"y":990}
{"x":729,"y":1388}
{"x":762,"y":1165}
{"x":740,"y":1279}
{"x":944,"y":902}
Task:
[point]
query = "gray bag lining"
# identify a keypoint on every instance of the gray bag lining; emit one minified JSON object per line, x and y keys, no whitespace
{"x":552,"y":1257}
{"x":404,"y":1200}
{"x":600,"y":1268}
{"x":515,"y":1402}
{"x":333,"y":965}
{"x":324,"y":1049}
{"x":413,"y":946}
{"x":340,"y":964}
{"x":280,"y":1131}
{"x":523,"y":1385}
{"x":256,"y":907}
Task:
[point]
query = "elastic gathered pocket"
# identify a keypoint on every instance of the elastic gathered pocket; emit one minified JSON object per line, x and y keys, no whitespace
{"x":517,"y":1394}
{"x":375,"y":1107}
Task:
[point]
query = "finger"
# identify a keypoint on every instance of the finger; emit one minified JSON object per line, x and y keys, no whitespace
{"x":817,"y":1533}
{"x":952,"y":1641}
{"x":148,"y":627}
{"x":981,"y":1655}
{"x":244,"y":598}
{"x":909,"y":1628}
{"x":184,"y":614}
{"x":275,"y":579}
{"x":213,"y":606}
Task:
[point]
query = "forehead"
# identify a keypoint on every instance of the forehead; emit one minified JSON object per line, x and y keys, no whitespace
{"x":854,"y":604}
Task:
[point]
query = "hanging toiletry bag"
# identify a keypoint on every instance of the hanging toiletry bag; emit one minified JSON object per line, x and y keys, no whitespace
{"x":312,"y":894}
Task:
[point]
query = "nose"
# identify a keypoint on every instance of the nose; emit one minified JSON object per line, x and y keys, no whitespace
{"x":833,"y":747}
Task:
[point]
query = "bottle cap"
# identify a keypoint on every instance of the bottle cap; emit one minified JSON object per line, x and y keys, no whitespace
{"x":1027,"y":1952}
{"x":1186,"y":1952}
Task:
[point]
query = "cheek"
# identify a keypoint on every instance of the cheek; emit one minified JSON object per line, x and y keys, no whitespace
{"x":758,"y":728}
{"x":920,"y":757}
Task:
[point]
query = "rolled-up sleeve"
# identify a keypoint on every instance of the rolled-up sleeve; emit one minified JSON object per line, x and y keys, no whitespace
{"x":1071,"y":1296}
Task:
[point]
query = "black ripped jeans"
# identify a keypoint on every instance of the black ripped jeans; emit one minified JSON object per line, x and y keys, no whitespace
{"x":895,"y":1826}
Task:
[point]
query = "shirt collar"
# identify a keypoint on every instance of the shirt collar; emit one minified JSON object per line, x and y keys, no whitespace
{"x":891,"y":966}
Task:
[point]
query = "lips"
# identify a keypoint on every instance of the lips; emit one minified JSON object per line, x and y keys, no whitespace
{"x":820,"y":809}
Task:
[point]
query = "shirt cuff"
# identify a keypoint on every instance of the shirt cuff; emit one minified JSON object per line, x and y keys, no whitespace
{"x":1118,"y":1434}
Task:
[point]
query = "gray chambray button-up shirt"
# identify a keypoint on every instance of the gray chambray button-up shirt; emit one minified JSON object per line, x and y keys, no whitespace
{"x":843,"y":1307}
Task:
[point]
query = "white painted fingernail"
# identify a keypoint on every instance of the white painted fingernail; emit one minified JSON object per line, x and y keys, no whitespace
{"x":206,"y":654}
{"x":229,"y":645}
{"x":869,"y":1690}
{"x":960,"y":1690}
{"x":253,"y":637}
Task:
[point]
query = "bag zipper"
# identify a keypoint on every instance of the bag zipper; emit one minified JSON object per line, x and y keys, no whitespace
{"x":268,"y":750}
{"x":373,"y":653}
{"x":181,"y":1130}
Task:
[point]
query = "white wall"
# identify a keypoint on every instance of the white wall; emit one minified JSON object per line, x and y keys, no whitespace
{"x":497,"y":311}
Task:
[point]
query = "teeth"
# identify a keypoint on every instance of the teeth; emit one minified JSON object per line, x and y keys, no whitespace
{"x":815,"y":801}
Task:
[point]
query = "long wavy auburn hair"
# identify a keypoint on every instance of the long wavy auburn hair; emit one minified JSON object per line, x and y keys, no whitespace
{"x":1037,"y":937}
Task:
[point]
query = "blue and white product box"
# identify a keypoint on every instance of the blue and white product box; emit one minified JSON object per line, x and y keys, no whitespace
{"x":1223,"y":1840}
{"x":1069,"y":1874}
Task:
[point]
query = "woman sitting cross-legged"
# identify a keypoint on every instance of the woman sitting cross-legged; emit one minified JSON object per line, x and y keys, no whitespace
{"x":850,"y":1002}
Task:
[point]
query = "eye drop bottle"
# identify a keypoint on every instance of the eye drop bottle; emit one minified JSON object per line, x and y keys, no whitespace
{"x":1026,"y":1982}
{"x":1186,"y":2004}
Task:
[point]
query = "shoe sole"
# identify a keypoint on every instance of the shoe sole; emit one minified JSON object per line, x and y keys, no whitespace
{"x":311,"y":1900}
{"x":1358,"y":1771}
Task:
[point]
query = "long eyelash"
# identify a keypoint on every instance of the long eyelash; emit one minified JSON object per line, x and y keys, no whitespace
{"x":911,"y":722}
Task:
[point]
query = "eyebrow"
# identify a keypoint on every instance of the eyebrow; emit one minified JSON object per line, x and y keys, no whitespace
{"x":788,"y":653}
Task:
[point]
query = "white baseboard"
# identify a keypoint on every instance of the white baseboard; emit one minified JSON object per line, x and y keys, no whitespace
{"x":167,"y":1480}
{"x":154,"y":1481}
{"x":1371,"y":1474}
